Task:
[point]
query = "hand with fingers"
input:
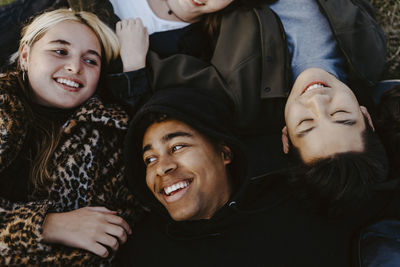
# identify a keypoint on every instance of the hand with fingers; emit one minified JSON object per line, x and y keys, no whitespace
{"x":91,"y":228}
{"x":134,"y":42}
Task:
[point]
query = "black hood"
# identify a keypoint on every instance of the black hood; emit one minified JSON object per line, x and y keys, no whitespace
{"x":208,"y":112}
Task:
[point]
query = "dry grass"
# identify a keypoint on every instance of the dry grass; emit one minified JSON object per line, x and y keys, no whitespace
{"x":5,"y":2}
{"x":388,"y":16}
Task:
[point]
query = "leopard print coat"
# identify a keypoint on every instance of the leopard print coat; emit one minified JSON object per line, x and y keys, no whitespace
{"x":88,"y":171}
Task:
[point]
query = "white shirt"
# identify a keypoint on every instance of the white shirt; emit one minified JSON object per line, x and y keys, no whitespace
{"x":126,"y":9}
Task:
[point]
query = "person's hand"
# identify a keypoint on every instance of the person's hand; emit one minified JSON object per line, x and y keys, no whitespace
{"x":91,"y":228}
{"x":134,"y":42}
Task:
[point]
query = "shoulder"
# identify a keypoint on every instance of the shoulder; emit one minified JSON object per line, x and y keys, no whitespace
{"x":13,"y":124}
{"x":8,"y":95}
{"x":98,"y":114}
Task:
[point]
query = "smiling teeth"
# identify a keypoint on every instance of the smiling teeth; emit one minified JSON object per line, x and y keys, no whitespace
{"x":175,"y":187}
{"x":314,"y":86}
{"x":68,"y":82}
{"x":199,"y":2}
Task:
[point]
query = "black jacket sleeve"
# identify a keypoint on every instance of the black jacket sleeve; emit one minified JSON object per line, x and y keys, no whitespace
{"x":129,"y":88}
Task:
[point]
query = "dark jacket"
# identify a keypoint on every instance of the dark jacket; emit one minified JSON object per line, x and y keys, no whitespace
{"x":256,"y":67}
{"x":252,"y":58}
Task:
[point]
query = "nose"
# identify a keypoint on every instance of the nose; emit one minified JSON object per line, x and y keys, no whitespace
{"x":319,"y":103}
{"x":74,"y":65}
{"x":166,"y":165}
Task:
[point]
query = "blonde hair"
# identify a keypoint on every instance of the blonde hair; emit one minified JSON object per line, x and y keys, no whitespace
{"x":35,"y":30}
{"x":46,"y":133}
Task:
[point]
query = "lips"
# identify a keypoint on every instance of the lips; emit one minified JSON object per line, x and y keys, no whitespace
{"x":174,"y":188}
{"x":198,"y":3}
{"x":175,"y":191}
{"x":69,"y":84}
{"x":314,"y":85}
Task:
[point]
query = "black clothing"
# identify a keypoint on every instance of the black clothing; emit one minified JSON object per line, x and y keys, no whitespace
{"x":266,"y":221}
{"x":256,"y":69}
{"x":264,"y":225}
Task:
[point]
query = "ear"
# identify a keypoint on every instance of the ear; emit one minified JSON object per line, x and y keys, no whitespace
{"x":226,"y":154}
{"x":285,"y":140}
{"x":366,"y":115}
{"x":24,"y":56}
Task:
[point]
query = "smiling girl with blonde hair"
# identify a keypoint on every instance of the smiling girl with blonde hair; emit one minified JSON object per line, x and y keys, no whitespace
{"x":63,"y":198}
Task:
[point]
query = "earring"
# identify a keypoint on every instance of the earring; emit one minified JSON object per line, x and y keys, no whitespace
{"x":23,"y":74}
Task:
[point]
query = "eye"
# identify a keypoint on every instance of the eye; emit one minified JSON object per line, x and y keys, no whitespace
{"x":339,"y":111}
{"x":176,"y":147}
{"x":305,"y":120}
{"x":61,"y":52}
{"x":149,"y":160}
{"x":91,"y":61}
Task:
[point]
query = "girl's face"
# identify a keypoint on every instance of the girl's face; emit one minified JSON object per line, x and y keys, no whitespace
{"x":64,"y":65}
{"x":192,"y":10}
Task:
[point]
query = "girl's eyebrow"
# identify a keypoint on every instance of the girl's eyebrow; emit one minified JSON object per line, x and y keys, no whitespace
{"x":64,"y":42}
{"x":60,"y":41}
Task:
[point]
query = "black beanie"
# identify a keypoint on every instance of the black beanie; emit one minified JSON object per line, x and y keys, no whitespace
{"x":208,"y":112}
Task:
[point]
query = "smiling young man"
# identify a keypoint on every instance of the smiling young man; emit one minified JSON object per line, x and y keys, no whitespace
{"x":186,"y":166}
{"x":185,"y":171}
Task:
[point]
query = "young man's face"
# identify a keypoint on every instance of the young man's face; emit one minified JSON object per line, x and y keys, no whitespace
{"x":185,"y":172}
{"x":323,"y":116}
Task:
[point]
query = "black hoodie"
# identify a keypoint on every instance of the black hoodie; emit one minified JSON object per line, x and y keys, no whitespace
{"x":264,"y":223}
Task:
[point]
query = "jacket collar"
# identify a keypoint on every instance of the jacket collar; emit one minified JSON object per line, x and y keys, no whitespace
{"x":94,"y":111}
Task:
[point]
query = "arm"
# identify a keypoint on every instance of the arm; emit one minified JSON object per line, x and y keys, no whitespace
{"x":94,"y":229}
{"x":21,"y":239}
{"x":130,"y":85}
{"x":24,"y":241}
{"x":97,"y":228}
{"x":27,"y":228}
{"x":134,"y":42}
